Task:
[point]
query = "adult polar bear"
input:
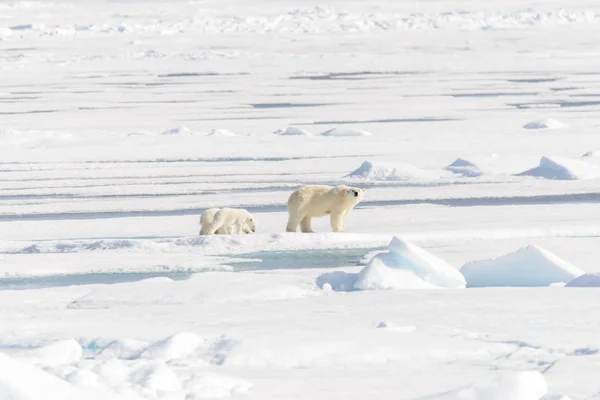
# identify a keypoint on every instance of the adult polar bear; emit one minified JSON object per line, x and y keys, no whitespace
{"x":224,"y":220}
{"x":312,"y":201}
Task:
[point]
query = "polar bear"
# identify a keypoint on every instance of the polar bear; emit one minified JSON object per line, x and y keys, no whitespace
{"x":222,"y":221}
{"x":319,"y":200}
{"x":208,"y":217}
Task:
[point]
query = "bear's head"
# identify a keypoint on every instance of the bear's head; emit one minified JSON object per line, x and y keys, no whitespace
{"x":354,"y":195}
{"x":250,"y":223}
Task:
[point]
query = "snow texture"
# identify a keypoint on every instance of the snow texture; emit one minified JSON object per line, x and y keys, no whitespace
{"x":528,"y":266}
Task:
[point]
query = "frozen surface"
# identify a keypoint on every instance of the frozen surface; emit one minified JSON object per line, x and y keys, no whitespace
{"x":528,"y":266}
{"x":121,"y":121}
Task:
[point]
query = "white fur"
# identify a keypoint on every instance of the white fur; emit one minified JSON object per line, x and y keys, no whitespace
{"x":224,"y":220}
{"x":318,"y":201}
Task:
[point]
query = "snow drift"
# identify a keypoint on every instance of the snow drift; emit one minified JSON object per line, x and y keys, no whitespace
{"x":526,"y":385}
{"x":407,"y":266}
{"x":548,"y":123}
{"x":340,"y":132}
{"x":464,"y":167}
{"x":529,"y":266}
{"x":563,"y":169}
{"x":383,"y":171}
{"x":292,"y":131}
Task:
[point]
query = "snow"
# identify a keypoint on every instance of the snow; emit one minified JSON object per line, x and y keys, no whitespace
{"x":58,"y":353}
{"x":407,"y":266}
{"x":585,"y":280}
{"x":123,"y":349}
{"x":527,"y":385}
{"x":464,"y":167}
{"x":292,"y":131}
{"x":548,"y":123}
{"x":221,"y":132}
{"x":342,"y":132}
{"x":217,"y":386}
{"x":562,"y":168}
{"x":177,"y":346}
{"x":181,"y":130}
{"x":382,"y":171}
{"x":117,"y":123}
{"x":20,"y":381}
{"x":528,"y":266}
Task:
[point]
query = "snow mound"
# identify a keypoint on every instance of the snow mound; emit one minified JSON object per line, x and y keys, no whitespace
{"x":156,"y":378}
{"x":125,"y":349}
{"x":58,"y":353}
{"x":182,"y":130}
{"x":525,"y":385}
{"x":464,"y":167}
{"x":585,"y":280}
{"x":179,"y":345}
{"x":342,"y":132}
{"x":548,"y":123}
{"x":563,"y":169}
{"x":21,"y":381}
{"x":383,"y":171}
{"x":216,"y":386}
{"x":221,"y":132}
{"x":407,"y":266}
{"x":292,"y":131}
{"x":528,"y":266}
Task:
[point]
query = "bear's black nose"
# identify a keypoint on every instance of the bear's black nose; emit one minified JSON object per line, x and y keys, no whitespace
{"x":355,"y":194}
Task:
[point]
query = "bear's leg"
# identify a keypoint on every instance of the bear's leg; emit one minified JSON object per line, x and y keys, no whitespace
{"x":336,"y":221}
{"x":293,"y":221}
{"x":305,"y":225}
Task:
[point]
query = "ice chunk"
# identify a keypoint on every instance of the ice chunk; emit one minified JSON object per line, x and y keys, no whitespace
{"x":585,"y":280}
{"x":529,"y":266}
{"x":407,"y":266}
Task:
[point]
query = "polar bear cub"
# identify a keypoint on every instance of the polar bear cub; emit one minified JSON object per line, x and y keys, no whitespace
{"x":222,"y":221}
{"x":208,"y":217}
{"x":318,"y":201}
